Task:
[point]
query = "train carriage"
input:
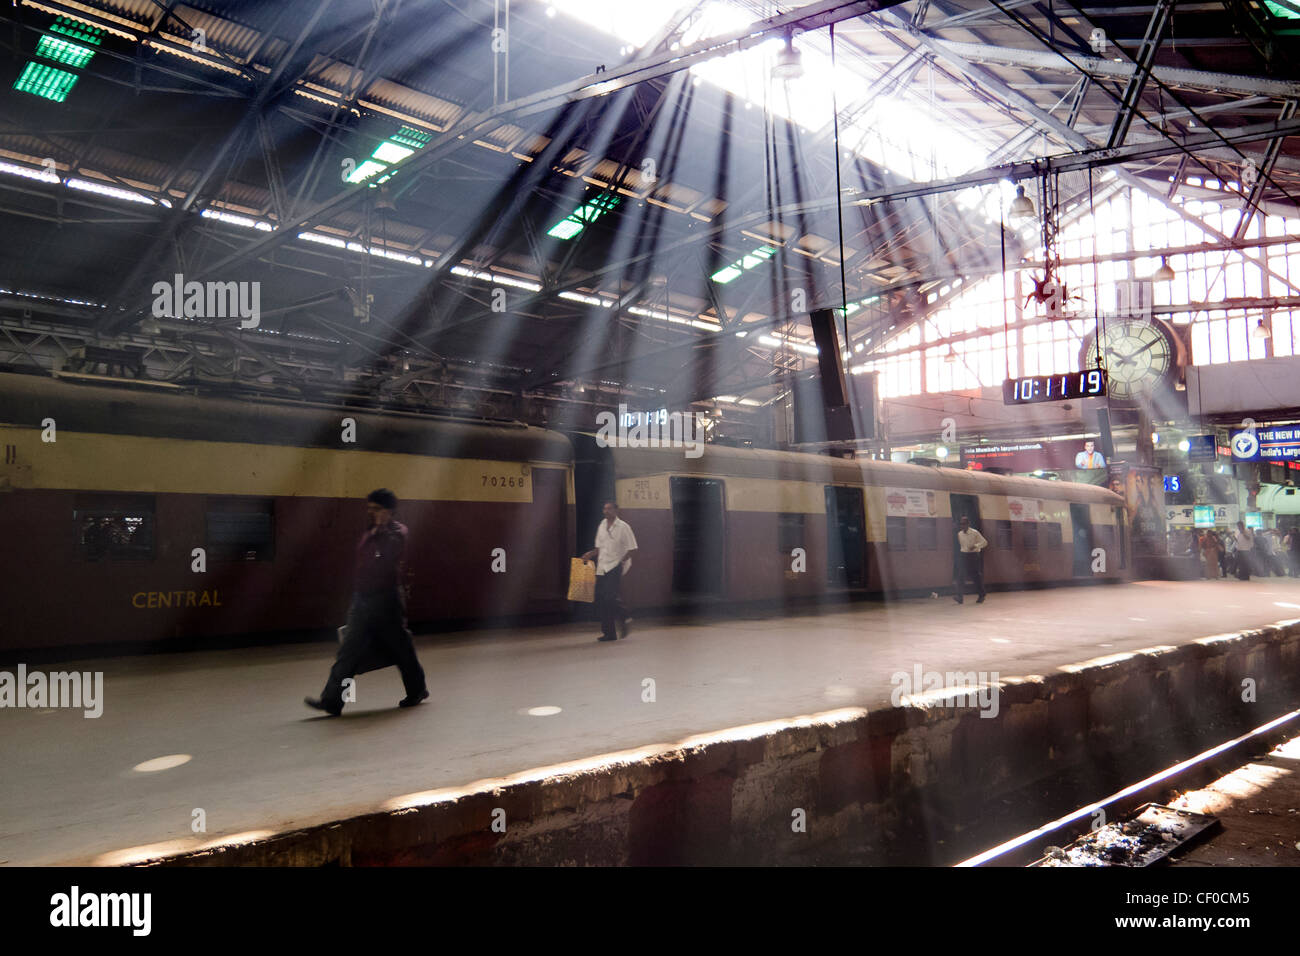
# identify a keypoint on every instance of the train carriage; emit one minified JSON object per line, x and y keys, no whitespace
{"x":744,"y":525}
{"x":105,"y":494}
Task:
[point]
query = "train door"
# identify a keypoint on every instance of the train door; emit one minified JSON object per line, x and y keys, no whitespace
{"x":845,"y":549}
{"x":549,"y":533}
{"x":699,"y":545}
{"x":968,"y":505}
{"x":593,"y":485}
{"x":1082,"y":521}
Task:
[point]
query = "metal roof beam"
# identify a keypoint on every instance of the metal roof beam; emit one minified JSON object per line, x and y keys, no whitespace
{"x":1098,"y":67}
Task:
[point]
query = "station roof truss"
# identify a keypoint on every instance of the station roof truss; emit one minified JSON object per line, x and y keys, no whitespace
{"x":470,"y":204}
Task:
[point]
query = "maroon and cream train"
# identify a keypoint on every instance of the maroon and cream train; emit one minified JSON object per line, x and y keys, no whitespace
{"x":135,"y":517}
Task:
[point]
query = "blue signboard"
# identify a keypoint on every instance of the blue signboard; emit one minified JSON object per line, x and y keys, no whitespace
{"x":1267,"y":443}
{"x":1173,"y":484}
{"x":1201,"y":448}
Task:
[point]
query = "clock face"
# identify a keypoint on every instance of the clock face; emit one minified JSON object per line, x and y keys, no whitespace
{"x":1138,"y":355}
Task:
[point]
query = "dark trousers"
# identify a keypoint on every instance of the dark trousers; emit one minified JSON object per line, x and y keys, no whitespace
{"x":1244,"y":561}
{"x":376,"y":637}
{"x":607,"y":602}
{"x":970,"y":564}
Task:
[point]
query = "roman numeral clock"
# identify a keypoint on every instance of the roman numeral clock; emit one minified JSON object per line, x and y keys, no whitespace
{"x":1140,"y":355}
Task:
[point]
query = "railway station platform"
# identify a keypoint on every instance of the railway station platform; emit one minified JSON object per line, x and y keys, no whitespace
{"x":759,"y":738}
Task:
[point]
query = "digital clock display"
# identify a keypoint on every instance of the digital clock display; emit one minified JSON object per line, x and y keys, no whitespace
{"x":1090,"y":383}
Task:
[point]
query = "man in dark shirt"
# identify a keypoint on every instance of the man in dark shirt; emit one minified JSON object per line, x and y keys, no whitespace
{"x":376,"y":633}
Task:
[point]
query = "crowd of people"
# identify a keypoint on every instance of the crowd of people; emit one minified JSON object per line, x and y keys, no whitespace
{"x":1242,"y":552}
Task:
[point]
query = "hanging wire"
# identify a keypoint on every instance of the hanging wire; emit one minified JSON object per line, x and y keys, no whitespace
{"x":1096,"y":278}
{"x":1006,"y":329}
{"x":839,"y":192}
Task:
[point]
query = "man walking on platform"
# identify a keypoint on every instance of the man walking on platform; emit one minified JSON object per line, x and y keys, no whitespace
{"x":970,"y":561}
{"x":376,"y":634}
{"x":615,"y":544}
{"x":1245,"y":551}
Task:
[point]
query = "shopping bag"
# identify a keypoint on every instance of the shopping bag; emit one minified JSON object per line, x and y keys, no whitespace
{"x":582,"y":581}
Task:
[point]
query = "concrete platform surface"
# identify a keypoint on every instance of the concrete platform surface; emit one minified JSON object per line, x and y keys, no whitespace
{"x":254,"y":760}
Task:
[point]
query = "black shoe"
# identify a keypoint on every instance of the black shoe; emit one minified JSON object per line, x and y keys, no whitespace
{"x":606,"y":637}
{"x":413,"y":700}
{"x":958,"y":599}
{"x":317,"y":704}
{"x":981,"y":599}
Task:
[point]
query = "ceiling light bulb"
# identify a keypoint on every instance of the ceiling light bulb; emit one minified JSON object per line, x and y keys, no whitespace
{"x":789,"y":62}
{"x":1022,"y":207}
{"x":1261,"y":330}
{"x":951,"y":356}
{"x":1165,"y":273}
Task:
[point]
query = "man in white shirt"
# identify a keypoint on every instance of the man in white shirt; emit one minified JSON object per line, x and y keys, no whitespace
{"x":615,"y":544}
{"x":1245,"y":551}
{"x":969,"y":561}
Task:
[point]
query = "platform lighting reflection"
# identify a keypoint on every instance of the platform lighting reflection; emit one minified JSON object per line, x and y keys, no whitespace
{"x":153,"y":851}
{"x":157,"y":764}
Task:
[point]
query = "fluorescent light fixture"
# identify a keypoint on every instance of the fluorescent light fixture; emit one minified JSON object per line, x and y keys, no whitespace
{"x":588,"y":299}
{"x":495,"y":278}
{"x":387,"y":152}
{"x":787,"y":343}
{"x":85,"y":185}
{"x":27,"y":172}
{"x":62,"y":51}
{"x":578,"y":220}
{"x":323,"y":240}
{"x":743,"y":264}
{"x":245,"y":221}
{"x":46,"y":81}
{"x":78,"y":31}
{"x":365,"y":171}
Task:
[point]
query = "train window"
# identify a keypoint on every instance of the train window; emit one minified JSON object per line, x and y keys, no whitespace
{"x":240,"y":529}
{"x":114,"y":527}
{"x":1029,"y":534}
{"x":927,"y":533}
{"x":1104,"y":535}
{"x":896,"y":533}
{"x":789,"y":532}
{"x":1053,"y":535}
{"x":1002,"y":532}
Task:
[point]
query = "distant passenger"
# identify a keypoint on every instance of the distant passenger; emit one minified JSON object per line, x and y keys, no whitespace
{"x":1210,"y":548}
{"x":1089,"y":458}
{"x":615,"y":545}
{"x":1293,"y":550}
{"x":1245,"y":551}
{"x":376,"y":628}
{"x":970,"y":561}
